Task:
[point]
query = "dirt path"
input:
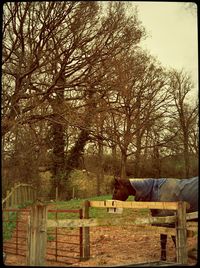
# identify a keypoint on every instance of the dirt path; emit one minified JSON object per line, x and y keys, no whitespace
{"x":113,"y":246}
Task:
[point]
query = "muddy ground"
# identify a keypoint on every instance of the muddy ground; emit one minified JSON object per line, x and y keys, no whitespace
{"x":113,"y":246}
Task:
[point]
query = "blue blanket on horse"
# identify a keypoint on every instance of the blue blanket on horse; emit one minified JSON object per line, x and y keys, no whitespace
{"x":167,"y":190}
{"x":147,"y":189}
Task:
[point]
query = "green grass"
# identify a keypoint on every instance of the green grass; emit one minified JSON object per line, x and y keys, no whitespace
{"x":8,"y":227}
{"x":94,"y":212}
{"x":11,"y":216}
{"x":50,"y":237}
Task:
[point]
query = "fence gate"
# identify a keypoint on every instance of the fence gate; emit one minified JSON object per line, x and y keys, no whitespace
{"x":64,"y":245}
{"x":15,"y":231}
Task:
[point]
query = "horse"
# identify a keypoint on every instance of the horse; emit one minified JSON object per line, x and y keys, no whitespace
{"x":161,"y":189}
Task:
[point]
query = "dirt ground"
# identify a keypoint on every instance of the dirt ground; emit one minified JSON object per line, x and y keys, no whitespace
{"x":112,"y":246}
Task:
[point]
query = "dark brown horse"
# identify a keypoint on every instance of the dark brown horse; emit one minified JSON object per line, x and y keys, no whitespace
{"x":159,"y":190}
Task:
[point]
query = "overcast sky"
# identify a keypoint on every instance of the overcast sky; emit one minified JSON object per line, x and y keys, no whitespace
{"x":172,"y":30}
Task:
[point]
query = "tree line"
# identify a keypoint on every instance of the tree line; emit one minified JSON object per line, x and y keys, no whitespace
{"x":76,"y":83}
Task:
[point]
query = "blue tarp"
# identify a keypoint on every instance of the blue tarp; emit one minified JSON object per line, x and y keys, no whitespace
{"x":167,"y":190}
{"x":147,"y":189}
{"x":187,"y":190}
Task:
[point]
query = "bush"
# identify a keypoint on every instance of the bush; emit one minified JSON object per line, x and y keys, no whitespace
{"x":9,"y":226}
{"x":83,"y":184}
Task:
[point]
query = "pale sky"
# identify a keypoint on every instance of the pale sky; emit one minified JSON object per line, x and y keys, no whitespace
{"x":172,"y":31}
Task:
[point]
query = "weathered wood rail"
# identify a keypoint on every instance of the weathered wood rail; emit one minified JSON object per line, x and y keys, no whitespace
{"x":38,"y":226}
{"x":19,"y":194}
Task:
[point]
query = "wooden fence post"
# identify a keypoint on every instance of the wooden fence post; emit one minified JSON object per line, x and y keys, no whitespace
{"x":12,"y":199}
{"x":32,"y":194}
{"x":20,"y":195}
{"x":7,"y":205}
{"x":56,"y":193}
{"x":25,"y":194}
{"x":86,"y":232}
{"x":17,"y":195}
{"x":181,"y":237}
{"x":37,"y":237}
{"x":29,"y":194}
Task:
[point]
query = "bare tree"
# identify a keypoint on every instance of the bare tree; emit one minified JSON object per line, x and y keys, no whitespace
{"x":141,"y":98}
{"x":55,"y":57}
{"x":180,"y":86}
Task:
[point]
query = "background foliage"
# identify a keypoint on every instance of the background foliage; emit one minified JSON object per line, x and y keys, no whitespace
{"x":79,"y":93}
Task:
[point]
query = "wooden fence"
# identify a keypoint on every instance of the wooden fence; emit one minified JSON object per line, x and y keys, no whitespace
{"x":39,"y":223}
{"x":20,"y":194}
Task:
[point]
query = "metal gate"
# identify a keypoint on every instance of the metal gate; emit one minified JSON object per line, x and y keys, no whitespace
{"x":64,"y":245}
{"x":15,"y":231}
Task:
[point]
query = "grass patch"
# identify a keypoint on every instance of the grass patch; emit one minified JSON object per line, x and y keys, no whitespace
{"x":95,"y":212}
{"x":10,"y":218}
{"x":25,"y":204}
{"x":50,"y":238}
{"x":9,"y":226}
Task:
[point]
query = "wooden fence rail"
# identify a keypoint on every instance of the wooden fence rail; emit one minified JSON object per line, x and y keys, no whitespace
{"x":40,"y":224}
{"x":19,"y":195}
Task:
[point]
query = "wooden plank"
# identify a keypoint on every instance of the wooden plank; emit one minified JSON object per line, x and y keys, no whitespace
{"x":102,"y":222}
{"x":7,"y":205}
{"x":15,"y":194}
{"x":94,"y":223}
{"x":9,"y":195}
{"x":192,"y":215}
{"x":181,"y":237}
{"x":192,"y":224}
{"x":135,"y":205}
{"x":19,"y":196}
{"x":152,"y":230}
{"x":109,"y":222}
{"x":37,"y":235}
{"x":25,"y":194}
{"x":28,"y":237}
{"x":12,"y":197}
{"x":7,"y":201}
{"x":192,"y":227}
{"x":190,"y":233}
{"x":86,"y":232}
{"x":13,"y":189}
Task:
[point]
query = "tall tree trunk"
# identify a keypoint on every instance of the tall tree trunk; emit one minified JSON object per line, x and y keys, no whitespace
{"x":186,"y":155}
{"x":100,"y":170}
{"x":156,"y":162}
{"x":138,"y":157}
{"x":58,"y":138}
{"x":77,"y":150}
{"x":145,"y":155}
{"x":138,"y":137}
{"x":123,"y":165}
{"x":114,"y":160}
{"x":58,"y":151}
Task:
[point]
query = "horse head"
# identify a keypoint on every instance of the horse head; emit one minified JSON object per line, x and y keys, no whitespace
{"x":122,"y":189}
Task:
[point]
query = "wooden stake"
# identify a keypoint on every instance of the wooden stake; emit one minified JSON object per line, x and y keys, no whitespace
{"x":37,"y":235}
{"x":12,"y":198}
{"x":181,"y":237}
{"x":56,"y":194}
{"x":8,"y":200}
{"x":86,"y":232}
